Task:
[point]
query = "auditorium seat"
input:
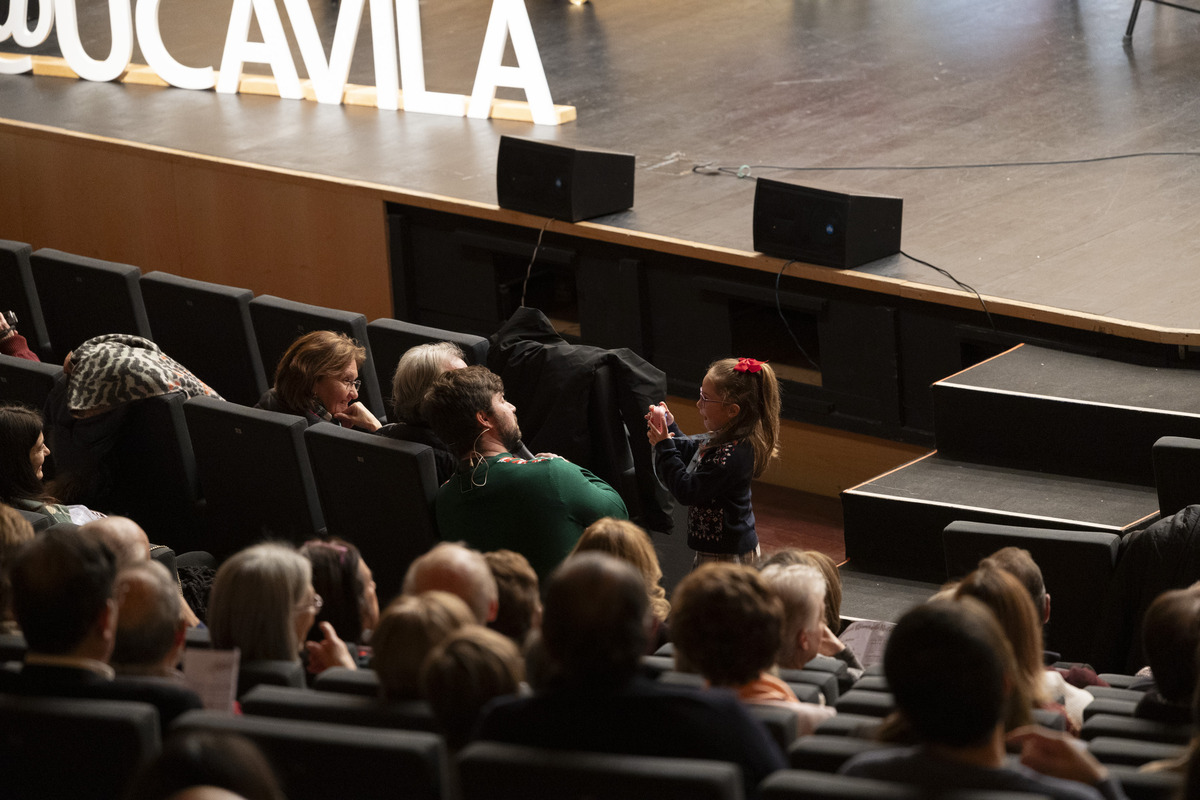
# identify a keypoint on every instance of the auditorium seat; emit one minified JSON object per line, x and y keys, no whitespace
{"x":827,"y":753}
{"x":85,"y":297}
{"x":362,"y":682}
{"x":269,"y":672}
{"x":207,"y":328}
{"x":319,"y":761}
{"x":861,"y":726}
{"x":19,"y":294}
{"x":1176,"y":473}
{"x":254,"y":474}
{"x":345,"y":709}
{"x":26,"y":382}
{"x":1107,"y":705}
{"x":279,"y":322}
{"x":1131,"y":752}
{"x":1076,"y":568}
{"x":12,"y":647}
{"x":391,"y":338}
{"x":1145,"y":730}
{"x":1162,"y":785}
{"x":378,"y":493}
{"x":495,"y":771}
{"x":792,"y":784}
{"x":70,"y":747}
{"x":834,"y":666}
{"x":779,"y":721}
{"x":826,"y":683}
{"x":873,"y":704}
{"x":1115,"y":693}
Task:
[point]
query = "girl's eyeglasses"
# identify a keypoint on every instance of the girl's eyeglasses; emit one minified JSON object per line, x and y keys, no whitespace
{"x":706,"y":399}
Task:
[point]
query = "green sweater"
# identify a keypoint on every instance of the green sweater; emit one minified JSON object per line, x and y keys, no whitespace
{"x":537,"y":508}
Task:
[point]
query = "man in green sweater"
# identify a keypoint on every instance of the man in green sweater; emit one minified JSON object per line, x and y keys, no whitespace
{"x":495,"y":500}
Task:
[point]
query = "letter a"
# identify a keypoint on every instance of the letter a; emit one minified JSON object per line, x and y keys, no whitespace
{"x":510,"y":17}
{"x":272,"y":50}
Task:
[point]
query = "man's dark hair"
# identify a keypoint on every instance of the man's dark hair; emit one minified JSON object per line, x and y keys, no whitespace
{"x":452,"y":402}
{"x":594,"y":622}
{"x":1170,"y":636}
{"x":946,"y":663}
{"x":727,"y":623}
{"x":61,"y":582}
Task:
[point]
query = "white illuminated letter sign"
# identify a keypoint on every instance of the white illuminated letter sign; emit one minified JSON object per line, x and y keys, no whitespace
{"x":86,"y":67}
{"x":509,"y":17}
{"x":412,"y":66}
{"x":328,"y":79}
{"x":157,"y":57}
{"x":272,"y":50}
{"x":17,"y":27}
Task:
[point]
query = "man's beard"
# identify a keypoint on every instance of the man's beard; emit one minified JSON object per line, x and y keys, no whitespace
{"x":511,"y":438}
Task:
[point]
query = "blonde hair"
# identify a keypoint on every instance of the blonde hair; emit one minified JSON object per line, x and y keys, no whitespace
{"x":630,"y":543}
{"x":409,"y":628}
{"x":313,"y":356}
{"x":757,"y":397}
{"x":15,"y":533}
{"x":255,"y":598}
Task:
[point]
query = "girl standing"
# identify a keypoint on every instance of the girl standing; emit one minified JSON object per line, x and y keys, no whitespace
{"x":711,"y":473}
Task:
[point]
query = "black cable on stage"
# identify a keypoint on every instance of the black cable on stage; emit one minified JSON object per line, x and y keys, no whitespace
{"x":744,"y":171}
{"x":783,"y":319}
{"x":532,"y":258}
{"x":961,"y":285}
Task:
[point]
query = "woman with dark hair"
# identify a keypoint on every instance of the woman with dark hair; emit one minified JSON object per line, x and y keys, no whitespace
{"x":23,"y":453}
{"x":347,"y":587}
{"x":317,"y":378}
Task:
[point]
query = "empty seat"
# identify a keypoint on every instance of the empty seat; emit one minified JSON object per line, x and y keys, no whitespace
{"x":363,"y":682}
{"x":26,"y":382}
{"x":834,"y":666}
{"x":269,"y":672}
{"x":318,"y":761}
{"x":279,"y":322}
{"x":207,"y":328}
{"x":1076,"y":568}
{"x":779,"y":721}
{"x":861,"y":726}
{"x":876,"y":704}
{"x":1176,"y":473}
{"x":20,"y":295}
{"x":1107,"y":705}
{"x":1146,"y":730}
{"x":378,"y":493}
{"x":494,"y":771}
{"x":1132,"y":752}
{"x":344,"y":709}
{"x":254,"y":473}
{"x":85,"y":297}
{"x":826,"y":753}
{"x":70,"y":747}
{"x":793,"y":784}
{"x":391,"y":338}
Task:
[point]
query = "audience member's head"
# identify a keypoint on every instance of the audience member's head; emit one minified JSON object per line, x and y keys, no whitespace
{"x":470,"y":667}
{"x":207,"y":758}
{"x":1010,"y":603}
{"x":415,"y":372}
{"x":316,"y":367}
{"x":629,"y":542}
{"x":1170,"y":636}
{"x":1019,"y":562}
{"x":62,"y":585}
{"x":596,"y":623}
{"x":410,"y":627}
{"x":829,"y":571}
{"x":726,"y":623}
{"x":15,"y":533}
{"x":150,"y":623}
{"x":22,"y":453}
{"x":520,"y":600}
{"x":949,"y":666}
{"x":262,"y":602}
{"x":802,"y":590}
{"x":459,"y":406}
{"x":346,"y":586}
{"x":452,"y":568}
{"x":126,"y":540}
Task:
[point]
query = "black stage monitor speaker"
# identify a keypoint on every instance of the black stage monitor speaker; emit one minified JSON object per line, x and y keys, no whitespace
{"x":567,"y":183}
{"x":823,"y":227}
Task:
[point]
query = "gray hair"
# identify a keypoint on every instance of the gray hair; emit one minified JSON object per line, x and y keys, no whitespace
{"x":255,"y":597}
{"x":415,"y":373}
{"x":802,"y":589}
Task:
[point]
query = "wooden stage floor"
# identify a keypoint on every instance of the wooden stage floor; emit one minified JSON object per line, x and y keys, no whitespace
{"x":816,"y":83}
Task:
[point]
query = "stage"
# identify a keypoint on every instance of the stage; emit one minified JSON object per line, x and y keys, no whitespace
{"x":285,"y":196}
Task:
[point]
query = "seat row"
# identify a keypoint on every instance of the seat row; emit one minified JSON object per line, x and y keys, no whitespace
{"x":228,"y":337}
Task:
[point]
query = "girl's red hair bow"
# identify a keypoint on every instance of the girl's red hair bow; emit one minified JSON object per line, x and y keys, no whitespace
{"x":749,"y":365}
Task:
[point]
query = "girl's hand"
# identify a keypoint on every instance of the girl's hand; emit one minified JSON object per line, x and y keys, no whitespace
{"x":669,"y":417}
{"x":656,"y":424}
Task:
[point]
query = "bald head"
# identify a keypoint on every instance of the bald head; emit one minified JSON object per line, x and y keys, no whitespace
{"x":460,"y":571}
{"x":150,"y":625}
{"x":123,"y":537}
